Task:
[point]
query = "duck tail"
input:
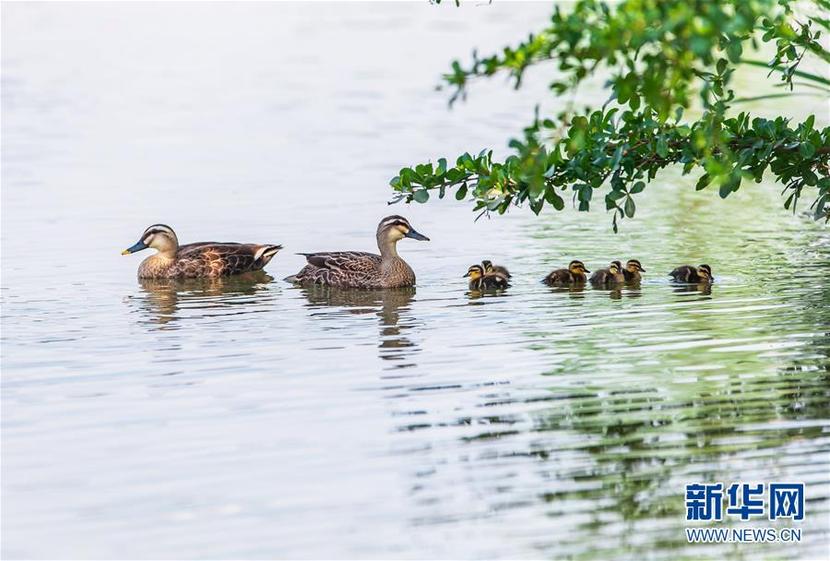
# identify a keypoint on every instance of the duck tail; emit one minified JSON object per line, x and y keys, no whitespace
{"x":266,"y":252}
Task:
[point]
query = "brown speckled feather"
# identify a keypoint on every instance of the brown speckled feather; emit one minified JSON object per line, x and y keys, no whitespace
{"x":358,"y":269}
{"x":354,"y":269}
{"x":209,"y":259}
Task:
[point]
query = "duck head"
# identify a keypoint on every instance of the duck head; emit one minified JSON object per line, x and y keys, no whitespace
{"x":705,"y":272}
{"x":633,"y":266}
{"x":577,"y":267}
{"x":475,"y":272}
{"x":395,"y":228}
{"x":158,"y":236}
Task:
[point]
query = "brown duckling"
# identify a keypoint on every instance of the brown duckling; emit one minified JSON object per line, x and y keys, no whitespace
{"x":481,"y":280}
{"x":632,"y":270}
{"x":611,"y":275}
{"x":490,"y":268}
{"x":574,"y":274}
{"x":692,"y":275}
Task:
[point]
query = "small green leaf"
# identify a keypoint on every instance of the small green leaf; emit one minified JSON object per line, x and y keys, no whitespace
{"x":553,"y":199}
{"x":807,"y":150}
{"x":637,"y":187}
{"x":461,"y":193}
{"x":629,"y":207}
{"x":662,"y":147}
{"x":421,"y":195}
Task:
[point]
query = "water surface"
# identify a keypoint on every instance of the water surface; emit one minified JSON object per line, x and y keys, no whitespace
{"x":246,"y":418}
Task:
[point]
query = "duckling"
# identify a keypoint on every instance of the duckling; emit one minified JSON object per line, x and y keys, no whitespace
{"x":632,"y":270}
{"x":197,"y":260}
{"x":482,"y":280}
{"x":358,"y":269}
{"x":692,"y":275}
{"x":612,"y":275}
{"x":490,"y":268}
{"x":574,"y":274}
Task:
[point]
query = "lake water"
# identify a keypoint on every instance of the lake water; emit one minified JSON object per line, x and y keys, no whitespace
{"x":247,"y":418}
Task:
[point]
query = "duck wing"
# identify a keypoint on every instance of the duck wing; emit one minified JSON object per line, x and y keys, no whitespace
{"x":498,"y":269}
{"x":685,"y":273}
{"x":601,"y":276}
{"x":558,"y":276}
{"x":495,"y":280}
{"x":357,"y":261}
{"x":228,"y":258}
{"x":348,"y":269}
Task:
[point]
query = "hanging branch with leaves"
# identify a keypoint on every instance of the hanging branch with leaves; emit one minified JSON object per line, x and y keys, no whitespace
{"x":658,"y":53}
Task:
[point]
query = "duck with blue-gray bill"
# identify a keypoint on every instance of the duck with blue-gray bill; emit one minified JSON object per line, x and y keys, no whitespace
{"x":197,"y":260}
{"x":359,"y":269}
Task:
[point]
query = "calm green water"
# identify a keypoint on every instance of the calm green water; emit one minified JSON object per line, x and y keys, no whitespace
{"x":246,"y":418}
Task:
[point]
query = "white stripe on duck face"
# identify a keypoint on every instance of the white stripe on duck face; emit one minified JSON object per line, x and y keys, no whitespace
{"x":159,"y":228}
{"x":391,"y":221}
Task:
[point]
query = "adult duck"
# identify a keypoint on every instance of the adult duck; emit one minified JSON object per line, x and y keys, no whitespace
{"x":358,"y":269}
{"x":197,"y":260}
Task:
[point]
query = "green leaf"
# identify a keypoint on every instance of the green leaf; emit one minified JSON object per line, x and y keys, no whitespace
{"x":421,"y":195}
{"x":734,"y":51}
{"x":637,"y":187}
{"x":461,"y":193}
{"x":807,"y":150}
{"x":553,"y":199}
{"x":629,"y":207}
{"x":616,"y":195}
{"x":662,"y":147}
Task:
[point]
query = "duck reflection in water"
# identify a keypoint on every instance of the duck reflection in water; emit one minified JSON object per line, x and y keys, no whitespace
{"x":573,"y":290}
{"x":387,"y":303}
{"x":164,"y":300}
{"x":703,"y":288}
{"x":617,"y":291}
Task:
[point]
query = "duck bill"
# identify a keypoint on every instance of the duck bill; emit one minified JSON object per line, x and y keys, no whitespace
{"x":416,"y":235}
{"x":137,"y":247}
{"x":465,"y":276}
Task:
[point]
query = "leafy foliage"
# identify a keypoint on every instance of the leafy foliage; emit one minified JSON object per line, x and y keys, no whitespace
{"x":662,"y":57}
